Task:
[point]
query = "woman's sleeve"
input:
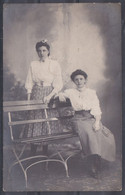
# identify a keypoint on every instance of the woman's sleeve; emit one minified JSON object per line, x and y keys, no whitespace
{"x":95,"y":107}
{"x":29,"y":81}
{"x":67,"y":93}
{"x":57,"y":82}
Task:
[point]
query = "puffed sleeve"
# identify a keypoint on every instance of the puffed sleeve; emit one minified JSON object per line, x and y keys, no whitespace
{"x":95,"y":105}
{"x":57,"y":81}
{"x":29,"y":81}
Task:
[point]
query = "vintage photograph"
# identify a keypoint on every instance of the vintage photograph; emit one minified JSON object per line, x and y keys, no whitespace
{"x":62,"y":97}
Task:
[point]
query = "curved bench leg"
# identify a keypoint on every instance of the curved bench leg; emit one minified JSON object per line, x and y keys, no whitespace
{"x":19,"y":156}
{"x":66,"y":168}
{"x":19,"y":162}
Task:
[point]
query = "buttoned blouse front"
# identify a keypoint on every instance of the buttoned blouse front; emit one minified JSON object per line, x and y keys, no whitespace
{"x":46,"y":73}
{"x":84,"y":100}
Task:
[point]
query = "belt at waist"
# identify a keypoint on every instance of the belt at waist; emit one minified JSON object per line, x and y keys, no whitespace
{"x":42,"y":84}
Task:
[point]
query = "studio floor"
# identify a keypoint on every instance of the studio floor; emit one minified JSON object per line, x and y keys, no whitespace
{"x":39,"y":179}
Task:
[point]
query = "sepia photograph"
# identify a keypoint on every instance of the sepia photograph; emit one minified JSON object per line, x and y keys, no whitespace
{"x":62,"y":97}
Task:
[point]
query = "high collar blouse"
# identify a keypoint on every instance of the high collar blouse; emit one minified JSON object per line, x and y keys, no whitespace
{"x":86,"y":99}
{"x":47,"y":73}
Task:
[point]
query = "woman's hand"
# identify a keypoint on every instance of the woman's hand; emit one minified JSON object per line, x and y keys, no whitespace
{"x":96,"y":126}
{"x":62,"y":98}
{"x":28,"y":96}
{"x":47,"y":99}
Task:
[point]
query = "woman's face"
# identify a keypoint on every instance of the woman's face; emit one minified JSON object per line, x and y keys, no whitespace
{"x":80,"y":81}
{"x":43,"y":52}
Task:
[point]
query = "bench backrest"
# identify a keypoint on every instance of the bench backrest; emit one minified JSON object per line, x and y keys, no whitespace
{"x":19,"y":106}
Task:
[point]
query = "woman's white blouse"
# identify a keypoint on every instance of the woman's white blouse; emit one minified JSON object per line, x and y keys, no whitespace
{"x":84,"y":100}
{"x":46,"y":73}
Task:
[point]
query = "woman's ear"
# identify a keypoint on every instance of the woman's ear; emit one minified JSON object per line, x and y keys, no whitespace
{"x":86,"y":81}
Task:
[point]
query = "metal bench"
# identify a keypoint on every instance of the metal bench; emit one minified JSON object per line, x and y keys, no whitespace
{"x":19,"y":107}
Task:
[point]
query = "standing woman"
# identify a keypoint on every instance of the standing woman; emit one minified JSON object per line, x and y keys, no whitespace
{"x":96,"y":140}
{"x":44,"y":78}
{"x":43,"y":81}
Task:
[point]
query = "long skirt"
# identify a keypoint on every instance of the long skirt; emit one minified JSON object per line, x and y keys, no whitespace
{"x":99,"y":142}
{"x":38,"y":129}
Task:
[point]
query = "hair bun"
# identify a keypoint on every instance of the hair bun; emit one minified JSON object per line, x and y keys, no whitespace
{"x":44,"y":41}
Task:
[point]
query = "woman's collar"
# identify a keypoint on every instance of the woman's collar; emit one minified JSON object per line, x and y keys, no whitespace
{"x":46,"y":59}
{"x":81,"y":89}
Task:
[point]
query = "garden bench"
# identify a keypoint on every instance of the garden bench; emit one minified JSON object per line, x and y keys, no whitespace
{"x":18,"y":107}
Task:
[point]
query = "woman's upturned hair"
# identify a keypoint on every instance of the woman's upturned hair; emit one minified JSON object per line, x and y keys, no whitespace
{"x":43,"y":43}
{"x":78,"y":72}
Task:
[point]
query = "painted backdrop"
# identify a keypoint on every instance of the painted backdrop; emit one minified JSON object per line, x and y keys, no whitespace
{"x":86,"y":36}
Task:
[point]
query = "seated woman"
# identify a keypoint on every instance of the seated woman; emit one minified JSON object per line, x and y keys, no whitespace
{"x":96,"y":140}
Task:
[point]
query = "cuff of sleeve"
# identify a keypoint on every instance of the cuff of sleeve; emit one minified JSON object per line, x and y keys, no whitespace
{"x":96,"y":113}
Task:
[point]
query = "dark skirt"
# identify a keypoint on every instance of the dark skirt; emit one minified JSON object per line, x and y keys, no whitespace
{"x":99,"y":142}
{"x":38,"y":129}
